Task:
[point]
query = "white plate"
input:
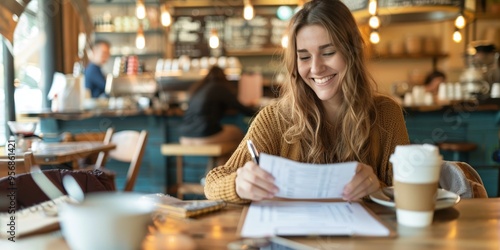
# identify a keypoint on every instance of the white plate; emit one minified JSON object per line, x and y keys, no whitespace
{"x":382,"y":199}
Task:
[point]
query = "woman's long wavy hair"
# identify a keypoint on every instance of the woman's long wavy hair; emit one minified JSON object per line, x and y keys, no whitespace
{"x":304,"y":111}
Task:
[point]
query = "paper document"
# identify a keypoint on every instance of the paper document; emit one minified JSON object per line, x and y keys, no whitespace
{"x":298,"y":180}
{"x":296,"y":218}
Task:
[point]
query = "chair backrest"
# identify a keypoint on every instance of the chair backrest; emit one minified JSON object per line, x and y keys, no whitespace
{"x":99,"y":159}
{"x":462,"y":179}
{"x":28,"y":193}
{"x":126,"y":152}
{"x":16,"y":165}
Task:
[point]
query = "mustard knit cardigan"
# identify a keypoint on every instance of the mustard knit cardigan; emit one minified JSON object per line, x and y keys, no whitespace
{"x":266,"y":133}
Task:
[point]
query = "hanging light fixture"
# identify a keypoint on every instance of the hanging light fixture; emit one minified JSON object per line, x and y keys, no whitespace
{"x":248,"y":11}
{"x":457,"y":36}
{"x":459,"y":24}
{"x":213,"y":41}
{"x":140,"y":9}
{"x":372,"y":7}
{"x":284,"y":41}
{"x":166,"y":18}
{"x":374,"y":21}
{"x":374,"y":37}
{"x":140,"y":40}
{"x":460,"y":21}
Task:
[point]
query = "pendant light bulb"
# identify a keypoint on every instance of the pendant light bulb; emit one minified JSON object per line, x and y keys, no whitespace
{"x":140,"y":9}
{"x":140,"y":40}
{"x":457,"y":36}
{"x":213,"y":41}
{"x":248,"y":11}
{"x":374,"y":37}
{"x":284,"y":41}
{"x":372,"y":7}
{"x":166,"y":18}
{"x":374,"y":22}
{"x":460,"y":22}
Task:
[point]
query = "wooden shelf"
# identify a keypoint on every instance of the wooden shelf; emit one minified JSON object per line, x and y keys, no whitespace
{"x":118,"y":2}
{"x":487,"y":16}
{"x":149,"y":31}
{"x":256,"y":52}
{"x":147,"y":54}
{"x":409,"y":56}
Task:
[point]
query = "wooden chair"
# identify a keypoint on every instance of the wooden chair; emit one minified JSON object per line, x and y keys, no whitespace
{"x":97,"y":160}
{"x":126,"y":152}
{"x":462,"y":179}
{"x":212,"y":151}
{"x":16,"y":165}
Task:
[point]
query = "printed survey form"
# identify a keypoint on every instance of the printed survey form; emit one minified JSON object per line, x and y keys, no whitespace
{"x":297,"y":180}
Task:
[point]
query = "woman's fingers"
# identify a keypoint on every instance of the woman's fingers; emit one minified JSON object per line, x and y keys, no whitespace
{"x":363,"y":183}
{"x":254,"y":183}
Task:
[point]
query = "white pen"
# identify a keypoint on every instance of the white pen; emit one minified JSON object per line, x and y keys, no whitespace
{"x":253,"y":151}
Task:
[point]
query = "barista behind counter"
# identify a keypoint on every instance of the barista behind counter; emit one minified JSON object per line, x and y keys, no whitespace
{"x":94,"y":78}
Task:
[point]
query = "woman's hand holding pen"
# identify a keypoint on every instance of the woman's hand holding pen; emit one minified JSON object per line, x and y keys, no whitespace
{"x":363,"y":183}
{"x":254,"y":183}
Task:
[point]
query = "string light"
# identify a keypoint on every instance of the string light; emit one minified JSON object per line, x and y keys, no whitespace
{"x":372,"y":7}
{"x":374,"y":37}
{"x":460,"y":22}
{"x":374,"y":21}
{"x":457,"y":36}
{"x":140,"y":40}
{"x":284,"y":41}
{"x":140,"y":9}
{"x":166,"y":18}
{"x":213,"y":41}
{"x":248,"y":11}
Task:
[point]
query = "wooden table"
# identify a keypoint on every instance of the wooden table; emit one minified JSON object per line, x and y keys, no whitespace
{"x":471,"y":224}
{"x":57,"y":153}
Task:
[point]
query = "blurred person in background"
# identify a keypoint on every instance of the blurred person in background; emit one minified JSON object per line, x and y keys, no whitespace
{"x":432,"y":81}
{"x":95,"y":81}
{"x":209,"y":100}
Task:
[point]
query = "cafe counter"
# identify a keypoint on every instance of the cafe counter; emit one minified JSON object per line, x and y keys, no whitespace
{"x":464,"y":122}
{"x":472,"y":122}
{"x":157,"y":172}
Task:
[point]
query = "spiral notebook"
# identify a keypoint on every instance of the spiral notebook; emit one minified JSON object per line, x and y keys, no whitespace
{"x":36,"y":219}
{"x":172,"y":206}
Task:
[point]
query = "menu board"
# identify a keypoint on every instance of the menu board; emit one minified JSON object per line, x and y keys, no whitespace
{"x":258,"y":33}
{"x":355,"y":5}
{"x":411,"y":3}
{"x":190,"y":34}
{"x":187,"y":36}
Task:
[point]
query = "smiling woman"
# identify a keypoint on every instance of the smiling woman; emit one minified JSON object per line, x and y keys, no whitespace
{"x":328,"y":112}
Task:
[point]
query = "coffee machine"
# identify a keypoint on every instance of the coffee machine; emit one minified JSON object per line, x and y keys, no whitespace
{"x":479,"y":58}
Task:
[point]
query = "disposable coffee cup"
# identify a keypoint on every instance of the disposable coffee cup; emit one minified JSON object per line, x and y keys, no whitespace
{"x":416,"y":171}
{"x":108,"y":221}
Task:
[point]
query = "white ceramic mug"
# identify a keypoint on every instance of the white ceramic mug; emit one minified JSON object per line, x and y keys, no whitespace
{"x":107,"y":220}
{"x":416,"y":174}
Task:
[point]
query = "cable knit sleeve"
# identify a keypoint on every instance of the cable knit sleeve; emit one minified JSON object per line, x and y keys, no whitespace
{"x":393,"y":132}
{"x":265,"y":132}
